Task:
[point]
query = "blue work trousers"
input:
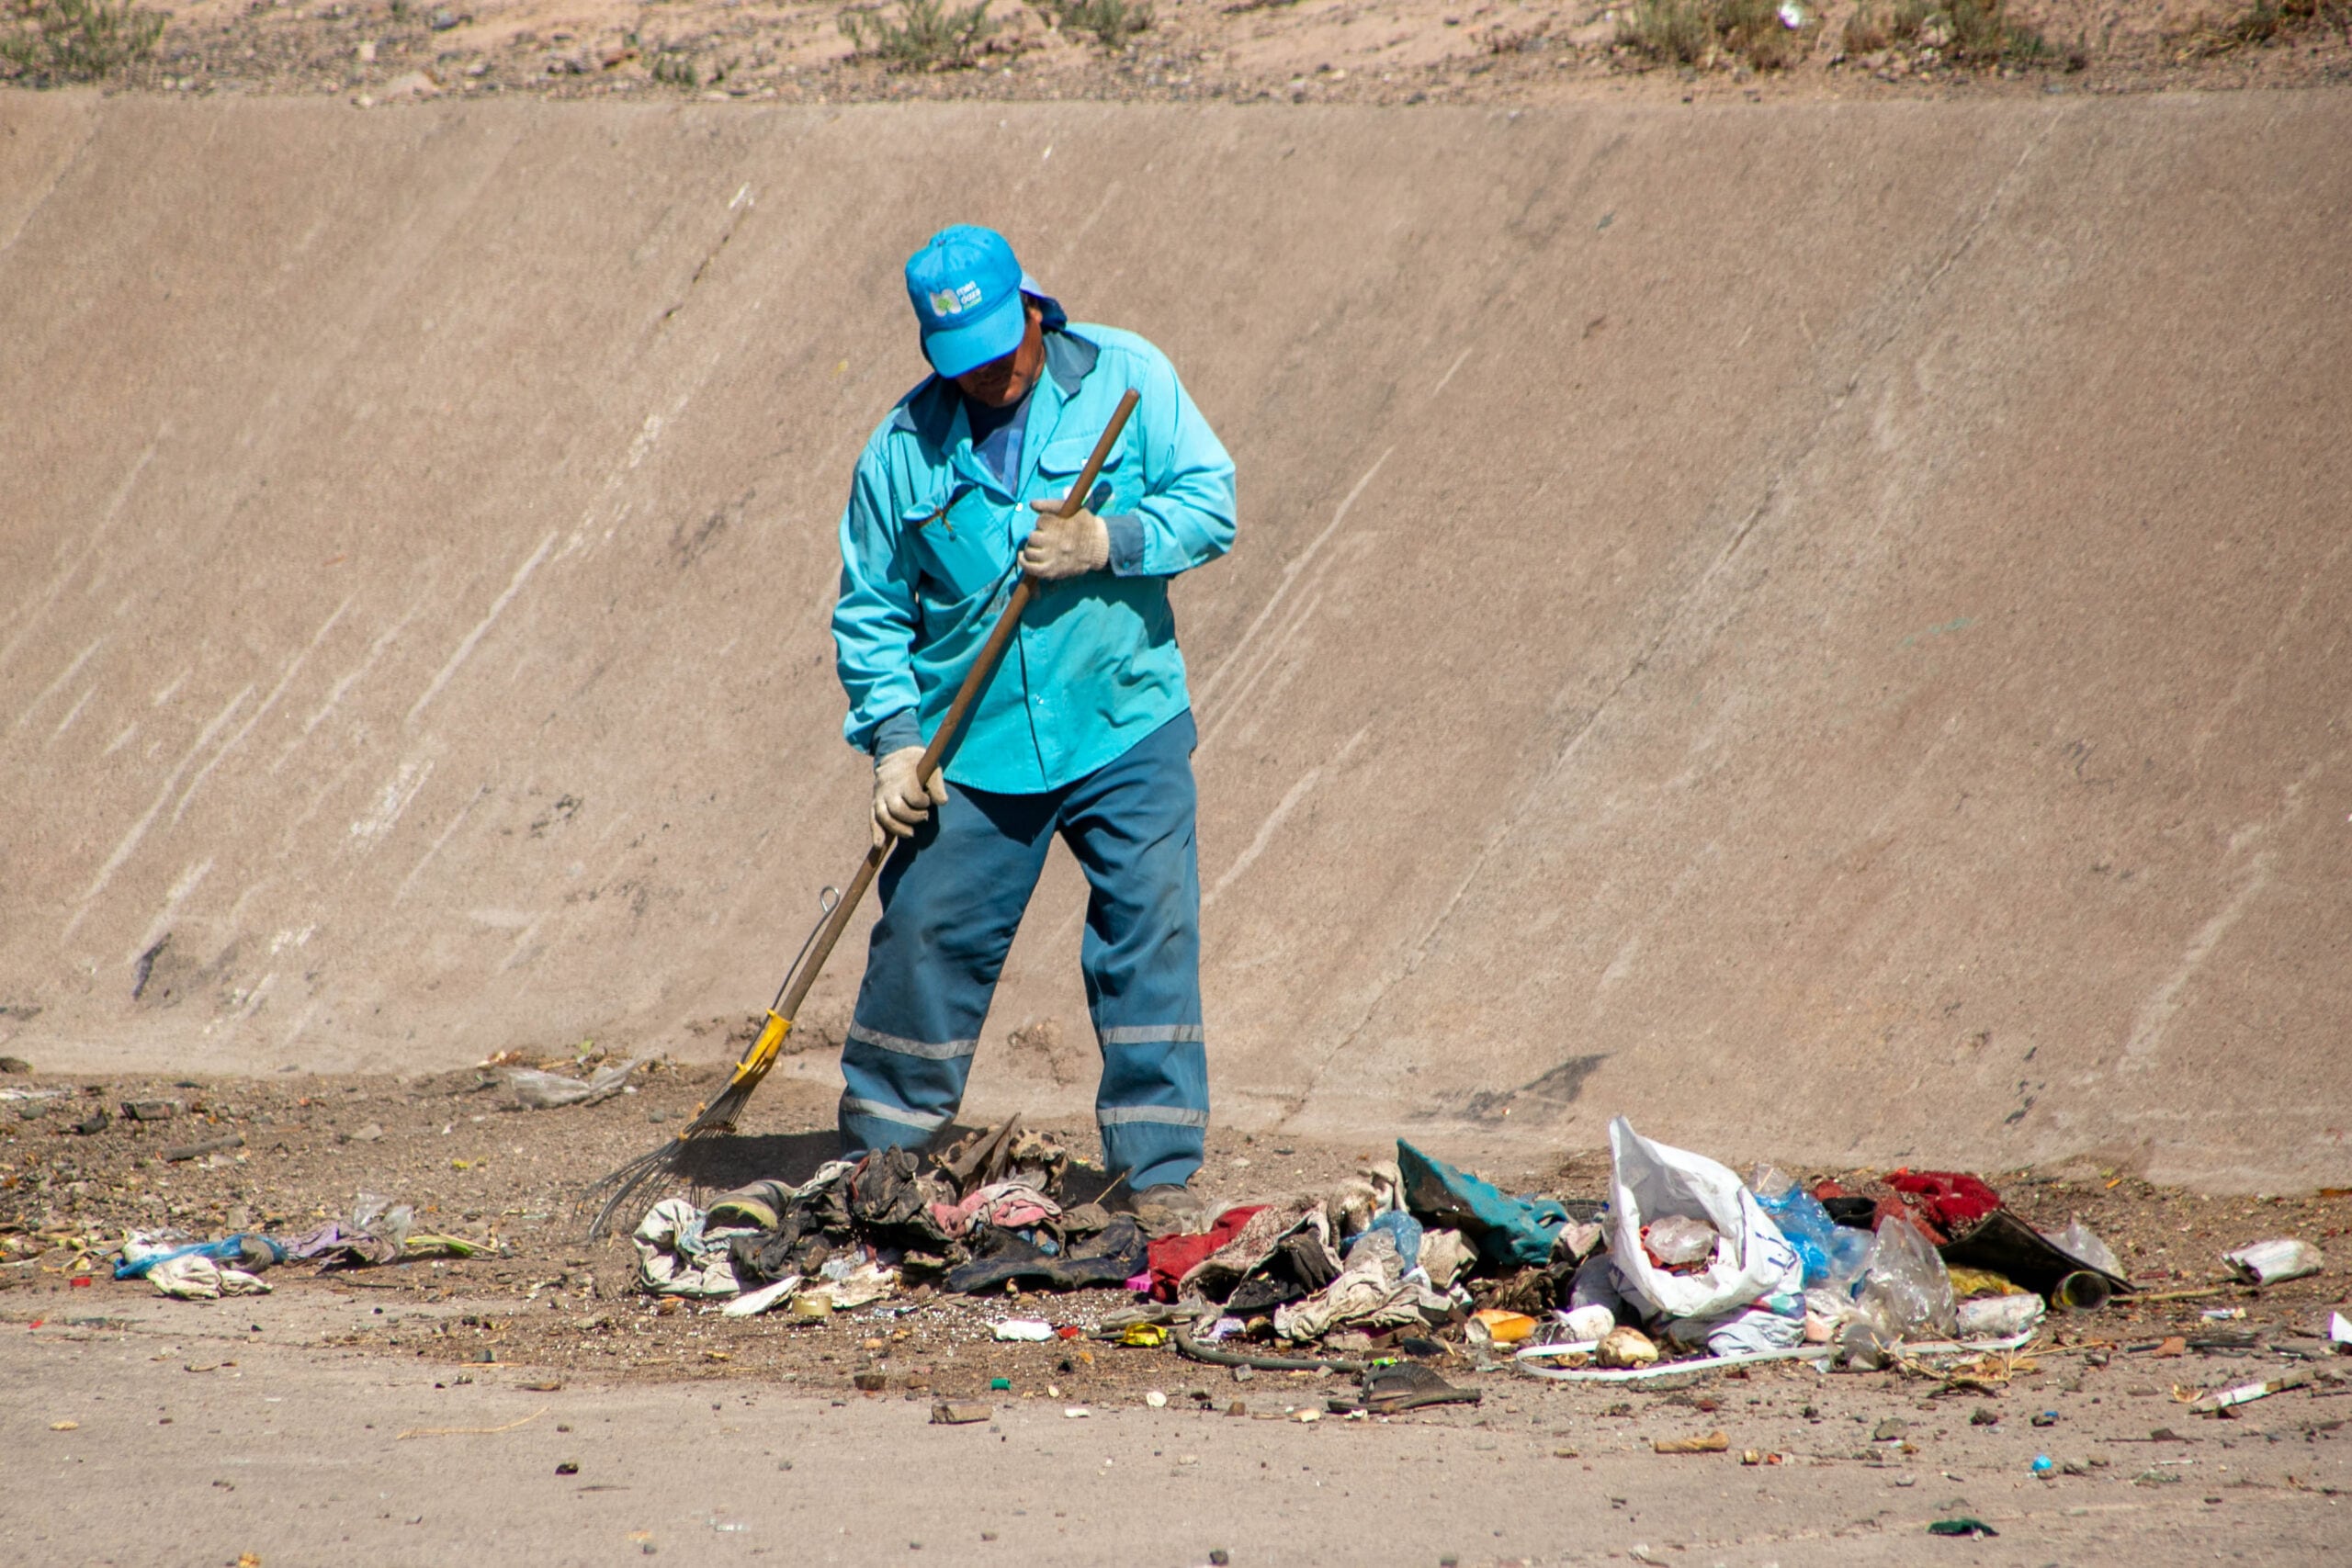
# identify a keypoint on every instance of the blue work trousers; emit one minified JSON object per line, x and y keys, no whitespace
{"x":951,"y":900}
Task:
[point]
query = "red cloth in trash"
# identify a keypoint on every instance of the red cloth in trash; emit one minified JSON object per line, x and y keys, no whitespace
{"x":1951,"y":1200}
{"x":1172,"y":1257}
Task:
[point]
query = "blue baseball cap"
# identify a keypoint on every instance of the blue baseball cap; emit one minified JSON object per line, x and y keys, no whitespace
{"x":966,"y":288}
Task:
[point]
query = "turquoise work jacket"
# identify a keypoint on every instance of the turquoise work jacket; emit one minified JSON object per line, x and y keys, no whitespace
{"x":928,"y":546}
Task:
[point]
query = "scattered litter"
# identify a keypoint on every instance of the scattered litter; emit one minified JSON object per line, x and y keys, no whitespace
{"x":2270,"y":1262}
{"x":1710,"y":1443}
{"x":949,"y":1413}
{"x":1503,"y":1327}
{"x":2246,"y":1394}
{"x":65,"y":1425}
{"x":536,"y":1090}
{"x":1963,"y":1526}
{"x":179,"y":1153}
{"x":2043,"y":1465}
{"x":1076,"y":1413}
{"x":2339,"y":1328}
{"x":1156,"y":1399}
{"x":1625,"y":1347}
{"x":751,"y":1303}
{"x":144,"y":1251}
{"x":1992,"y":1316}
{"x":1405,"y":1386}
{"x":2222,"y":1314}
{"x":1028,"y":1329}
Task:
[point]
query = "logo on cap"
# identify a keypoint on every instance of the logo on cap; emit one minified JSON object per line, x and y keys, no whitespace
{"x":955,"y":301}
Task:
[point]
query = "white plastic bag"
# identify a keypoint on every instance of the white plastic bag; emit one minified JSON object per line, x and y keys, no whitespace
{"x":1649,"y":1181}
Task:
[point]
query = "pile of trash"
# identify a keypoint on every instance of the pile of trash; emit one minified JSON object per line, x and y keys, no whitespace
{"x":991,"y":1210}
{"x":1681,"y":1266}
{"x":379,"y":1231}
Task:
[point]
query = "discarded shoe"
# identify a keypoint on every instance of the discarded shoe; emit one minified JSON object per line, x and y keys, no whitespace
{"x":1409,"y":1386}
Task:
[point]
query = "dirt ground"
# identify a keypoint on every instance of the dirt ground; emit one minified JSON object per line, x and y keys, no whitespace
{"x":535,"y":1398}
{"x":1377,"y":51}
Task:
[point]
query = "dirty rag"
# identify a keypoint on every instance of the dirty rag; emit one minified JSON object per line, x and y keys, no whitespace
{"x":677,"y":1256}
{"x":1173,"y":1256}
{"x":193,"y":1277}
{"x":1015,"y":1205}
{"x":1372,"y":1291}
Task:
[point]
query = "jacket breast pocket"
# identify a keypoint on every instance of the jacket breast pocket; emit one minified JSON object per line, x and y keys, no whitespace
{"x":1115,"y":488}
{"x":959,"y":542}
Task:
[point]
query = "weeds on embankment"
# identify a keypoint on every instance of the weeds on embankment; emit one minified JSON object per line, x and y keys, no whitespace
{"x":76,"y":40}
{"x":1764,"y":35}
{"x":1967,"y":32}
{"x":928,"y":36}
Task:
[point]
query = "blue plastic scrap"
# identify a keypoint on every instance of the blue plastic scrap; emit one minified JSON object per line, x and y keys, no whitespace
{"x":1507,"y":1230}
{"x":263,"y":1251}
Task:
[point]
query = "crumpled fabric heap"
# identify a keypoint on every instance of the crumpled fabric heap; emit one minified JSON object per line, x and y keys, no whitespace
{"x":676,"y":1256}
{"x":792,"y":1230}
{"x":1250,"y":1248}
{"x":1112,"y":1255}
{"x":1016,"y":1204}
{"x":1373,"y":1291}
{"x":191,"y":1276}
{"x":1173,"y":1256}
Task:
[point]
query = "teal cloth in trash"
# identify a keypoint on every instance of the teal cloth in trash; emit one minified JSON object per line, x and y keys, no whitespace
{"x":1507,"y":1230}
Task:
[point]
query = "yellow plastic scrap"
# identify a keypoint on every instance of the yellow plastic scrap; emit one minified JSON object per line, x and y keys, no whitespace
{"x":1144,"y":1336}
{"x":1970,"y":1282}
{"x":1505,"y":1327}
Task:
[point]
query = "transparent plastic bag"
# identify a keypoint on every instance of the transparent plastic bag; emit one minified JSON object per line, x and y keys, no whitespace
{"x":1905,"y":1294}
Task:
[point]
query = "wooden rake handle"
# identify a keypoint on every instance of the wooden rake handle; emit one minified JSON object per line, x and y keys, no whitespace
{"x":797,"y":986}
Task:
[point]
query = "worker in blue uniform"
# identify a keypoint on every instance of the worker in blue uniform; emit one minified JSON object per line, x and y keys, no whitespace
{"x":1084,"y":731}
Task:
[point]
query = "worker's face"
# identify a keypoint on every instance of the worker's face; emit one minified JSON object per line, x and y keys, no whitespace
{"x":1001,"y":383}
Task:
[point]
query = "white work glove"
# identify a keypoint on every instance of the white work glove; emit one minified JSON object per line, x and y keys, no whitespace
{"x":900,"y":802}
{"x":1065,"y":546}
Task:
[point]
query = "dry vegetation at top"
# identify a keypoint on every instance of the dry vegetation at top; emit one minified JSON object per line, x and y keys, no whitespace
{"x":1397,"y":51}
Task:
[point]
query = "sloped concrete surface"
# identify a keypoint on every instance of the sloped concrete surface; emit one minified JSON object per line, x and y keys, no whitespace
{"x":1822,"y":627}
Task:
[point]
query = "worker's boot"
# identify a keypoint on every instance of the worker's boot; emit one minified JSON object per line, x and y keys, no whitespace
{"x":1170,"y":1210}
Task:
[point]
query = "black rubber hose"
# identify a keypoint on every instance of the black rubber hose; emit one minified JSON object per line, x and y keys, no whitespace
{"x":1188,"y":1346}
